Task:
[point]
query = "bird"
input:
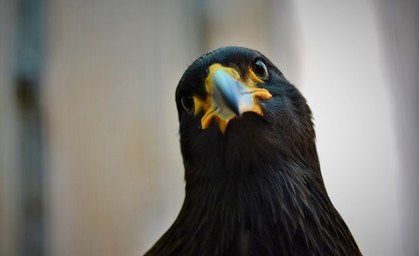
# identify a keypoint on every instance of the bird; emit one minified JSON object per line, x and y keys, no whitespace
{"x":253,"y":183}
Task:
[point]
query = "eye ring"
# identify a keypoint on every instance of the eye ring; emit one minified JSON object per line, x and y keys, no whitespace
{"x":188,"y":104}
{"x":260,"y":69}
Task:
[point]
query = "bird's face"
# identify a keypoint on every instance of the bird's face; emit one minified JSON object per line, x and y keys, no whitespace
{"x":229,"y":94}
{"x":235,"y":106}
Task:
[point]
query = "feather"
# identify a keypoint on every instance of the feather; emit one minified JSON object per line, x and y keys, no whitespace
{"x":255,"y":188}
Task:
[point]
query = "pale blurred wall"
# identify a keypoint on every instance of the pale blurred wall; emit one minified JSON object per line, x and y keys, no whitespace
{"x":115,"y":175}
{"x":116,"y":178}
{"x":347,"y":87}
{"x":399,"y":27}
{"x":360,"y":76}
{"x":9,"y":180}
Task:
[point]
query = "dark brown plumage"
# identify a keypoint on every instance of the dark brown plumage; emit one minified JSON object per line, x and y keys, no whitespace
{"x":256,"y":187}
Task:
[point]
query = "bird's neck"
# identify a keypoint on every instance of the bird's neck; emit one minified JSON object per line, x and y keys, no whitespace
{"x":270,"y":201}
{"x":285,"y":206}
{"x":276,"y":192}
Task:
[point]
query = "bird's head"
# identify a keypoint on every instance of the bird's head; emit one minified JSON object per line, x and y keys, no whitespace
{"x":236,"y":112}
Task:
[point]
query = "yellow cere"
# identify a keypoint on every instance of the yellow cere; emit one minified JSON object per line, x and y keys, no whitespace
{"x":207,"y":105}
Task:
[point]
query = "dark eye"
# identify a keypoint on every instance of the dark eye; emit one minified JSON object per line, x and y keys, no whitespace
{"x":188,"y":104}
{"x":260,"y":70}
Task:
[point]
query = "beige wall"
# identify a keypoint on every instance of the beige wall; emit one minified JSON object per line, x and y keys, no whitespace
{"x":116,"y":178}
{"x":9,"y":178}
{"x":350,"y":96}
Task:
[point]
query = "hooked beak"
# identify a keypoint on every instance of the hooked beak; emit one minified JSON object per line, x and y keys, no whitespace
{"x":229,"y":96}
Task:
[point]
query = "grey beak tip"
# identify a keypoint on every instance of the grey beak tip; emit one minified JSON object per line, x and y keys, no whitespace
{"x":227,"y":89}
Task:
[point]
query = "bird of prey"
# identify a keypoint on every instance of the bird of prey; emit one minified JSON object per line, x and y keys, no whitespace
{"x":252,"y":174}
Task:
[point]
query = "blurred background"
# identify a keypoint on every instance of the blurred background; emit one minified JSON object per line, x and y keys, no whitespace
{"x":89,"y":152}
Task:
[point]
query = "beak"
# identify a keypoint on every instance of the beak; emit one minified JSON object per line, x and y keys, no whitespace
{"x":228,"y":93}
{"x":229,"y":96}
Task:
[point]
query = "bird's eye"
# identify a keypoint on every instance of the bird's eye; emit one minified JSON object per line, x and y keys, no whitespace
{"x":188,"y":104}
{"x":260,"y":70}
